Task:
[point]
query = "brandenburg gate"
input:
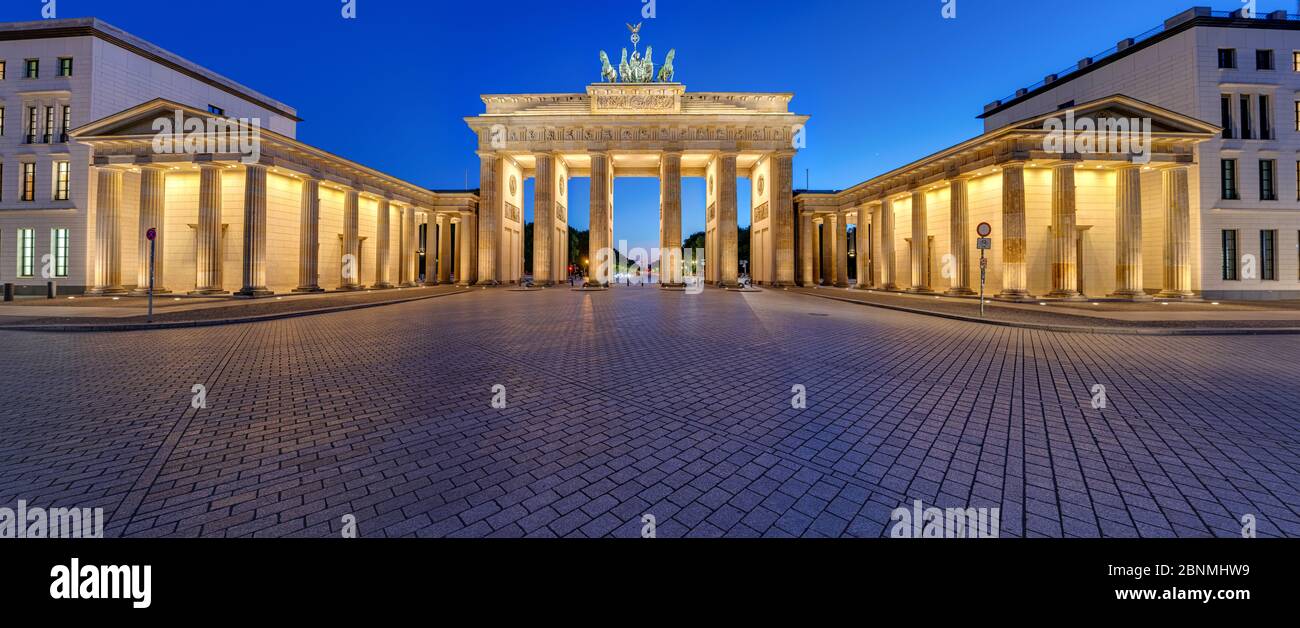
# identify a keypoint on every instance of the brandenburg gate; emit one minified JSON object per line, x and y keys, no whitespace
{"x":636,"y":124}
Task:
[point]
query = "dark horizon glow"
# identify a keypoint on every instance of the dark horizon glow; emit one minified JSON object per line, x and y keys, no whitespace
{"x":886,"y":83}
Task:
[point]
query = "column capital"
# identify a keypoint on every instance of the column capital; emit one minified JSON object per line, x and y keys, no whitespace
{"x":1013,"y":164}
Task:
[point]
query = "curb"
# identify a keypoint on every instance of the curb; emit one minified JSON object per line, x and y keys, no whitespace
{"x":1075,"y":329}
{"x":103,"y":327}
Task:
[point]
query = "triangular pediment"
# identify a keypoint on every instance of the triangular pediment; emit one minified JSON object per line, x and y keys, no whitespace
{"x":144,"y":119}
{"x":1120,"y":107}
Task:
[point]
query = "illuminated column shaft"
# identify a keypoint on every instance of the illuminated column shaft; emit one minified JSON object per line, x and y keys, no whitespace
{"x":959,"y":208}
{"x":254,"y":254}
{"x":920,"y":243}
{"x":153,"y":196}
{"x":209,"y":255}
{"x":1178,"y":235}
{"x":1014,"y":271}
{"x":309,"y":237}
{"x":1128,"y":233}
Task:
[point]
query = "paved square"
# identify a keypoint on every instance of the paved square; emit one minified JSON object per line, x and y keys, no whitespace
{"x":636,"y":402}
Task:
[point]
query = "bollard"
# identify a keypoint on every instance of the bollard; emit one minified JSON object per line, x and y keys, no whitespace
{"x":51,"y":290}
{"x":9,"y":292}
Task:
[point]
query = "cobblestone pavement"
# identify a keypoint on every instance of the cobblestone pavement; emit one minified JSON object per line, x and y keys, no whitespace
{"x":636,"y":401}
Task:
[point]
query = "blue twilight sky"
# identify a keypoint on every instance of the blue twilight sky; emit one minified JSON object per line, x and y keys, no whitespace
{"x":886,"y":82}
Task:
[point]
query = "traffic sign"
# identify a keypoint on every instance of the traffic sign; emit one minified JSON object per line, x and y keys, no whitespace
{"x":984,"y":244}
{"x":984,"y":230}
{"x":151,"y":234}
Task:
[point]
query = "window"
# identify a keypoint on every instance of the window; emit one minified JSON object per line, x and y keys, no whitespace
{"x":2,"y":121}
{"x":61,"y":181}
{"x":31,"y":126}
{"x":1229,"y":254}
{"x":59,"y":251}
{"x":1265,"y":119}
{"x":1246,"y":131}
{"x":65,"y":65}
{"x":28,"y":182}
{"x":1227,"y":58}
{"x":26,"y":251}
{"x":1268,"y":255}
{"x":1263,"y":59}
{"x":213,"y":109}
{"x":1225,"y":115}
{"x":1267,"y":182}
{"x":49,"y":126}
{"x":32,"y":68}
{"x":1295,"y":61}
{"x":67,"y":123}
{"x":1228,"y":171}
{"x":2,"y":67}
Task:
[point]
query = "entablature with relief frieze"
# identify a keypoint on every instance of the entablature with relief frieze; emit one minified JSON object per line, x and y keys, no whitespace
{"x":773,"y":134}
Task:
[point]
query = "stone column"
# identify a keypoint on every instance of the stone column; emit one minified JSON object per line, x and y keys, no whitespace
{"x":383,"y":245}
{"x":153,"y":200}
{"x":309,"y":237}
{"x":842,"y":250}
{"x":543,"y":220}
{"x":1065,"y":267}
{"x":782,"y":204}
{"x":600,"y":269}
{"x":887,"y":253}
{"x":351,"y":262}
{"x":489,"y":223}
{"x":444,"y":248}
{"x":254,"y":255}
{"x":1015,"y":286}
{"x":670,"y":237}
{"x":806,"y":249}
{"x":1178,"y":235}
{"x":728,"y":227}
{"x":1128,"y":233}
{"x":863,"y":245}
{"x":431,"y":248}
{"x":108,"y":233}
{"x":410,"y":249}
{"x":465,"y":271}
{"x":819,"y":273}
{"x":877,"y":255}
{"x":920,"y":244}
{"x":959,"y":217}
{"x":208,"y":259}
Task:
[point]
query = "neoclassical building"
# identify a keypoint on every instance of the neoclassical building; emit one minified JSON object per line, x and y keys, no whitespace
{"x":656,"y":130}
{"x":1064,"y":224}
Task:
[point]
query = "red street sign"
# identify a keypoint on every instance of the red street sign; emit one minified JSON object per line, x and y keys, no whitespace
{"x":151,"y":234}
{"x":984,"y":229}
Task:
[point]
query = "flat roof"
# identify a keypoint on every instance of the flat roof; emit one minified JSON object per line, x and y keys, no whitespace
{"x":95,"y":27}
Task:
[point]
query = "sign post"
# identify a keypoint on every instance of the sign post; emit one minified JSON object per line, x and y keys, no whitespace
{"x":984,"y":243}
{"x":151,"y":234}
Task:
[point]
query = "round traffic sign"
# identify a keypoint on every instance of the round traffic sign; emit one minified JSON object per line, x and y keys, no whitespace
{"x":151,"y":233}
{"x":984,"y":229}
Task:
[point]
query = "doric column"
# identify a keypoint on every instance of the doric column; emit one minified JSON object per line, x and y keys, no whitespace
{"x":877,"y":248}
{"x":444,"y":248}
{"x":819,"y":273}
{"x":410,"y":248}
{"x":208,"y":256}
{"x":108,"y":233}
{"x":887,"y":252}
{"x":806,"y":249}
{"x":383,"y":244}
{"x":1178,"y":235}
{"x":959,"y":217}
{"x":309,"y":237}
{"x":670,"y":236}
{"x":489,"y":223}
{"x":1015,"y":285}
{"x":920,"y":244}
{"x":431,"y":249}
{"x":350,"y":274}
{"x":543,"y":221}
{"x":600,"y":270}
{"x":842,"y":250}
{"x":153,"y":199}
{"x":728,"y":228}
{"x":1128,"y":233}
{"x":863,"y":245}
{"x":782,"y":203}
{"x":1065,"y":268}
{"x":465,"y":271}
{"x":254,"y":254}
